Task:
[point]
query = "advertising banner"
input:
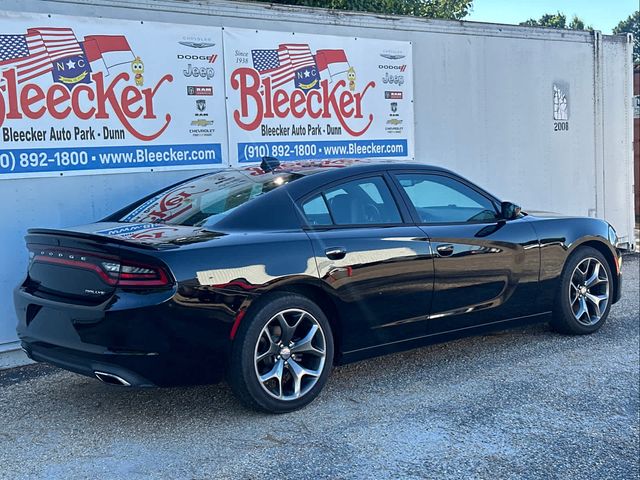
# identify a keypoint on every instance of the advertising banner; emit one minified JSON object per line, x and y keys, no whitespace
{"x":299,"y":96}
{"x":81,"y":95}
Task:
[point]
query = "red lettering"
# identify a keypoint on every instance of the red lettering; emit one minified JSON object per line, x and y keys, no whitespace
{"x":75,"y":101}
{"x":12,"y":90}
{"x":297,"y":100}
{"x":108,"y":96}
{"x":26,"y":101}
{"x":268,"y":108}
{"x":346,"y":99}
{"x":57,"y":95}
{"x":84,"y":101}
{"x":248,"y":92}
{"x":130,"y":96}
{"x":280,"y":99}
{"x":149,"y":93}
{"x":358,"y":97}
{"x":258,"y":101}
{"x":103,"y":96}
{"x":173,"y":201}
{"x":310,"y":96}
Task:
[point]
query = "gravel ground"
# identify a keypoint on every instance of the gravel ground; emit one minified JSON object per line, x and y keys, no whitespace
{"x":526,"y":403}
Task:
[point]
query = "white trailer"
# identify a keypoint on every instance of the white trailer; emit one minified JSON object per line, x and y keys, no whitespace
{"x":537,"y":116}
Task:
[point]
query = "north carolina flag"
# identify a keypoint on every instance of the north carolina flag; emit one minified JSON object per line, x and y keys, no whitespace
{"x":331,"y":62}
{"x":107,"y":50}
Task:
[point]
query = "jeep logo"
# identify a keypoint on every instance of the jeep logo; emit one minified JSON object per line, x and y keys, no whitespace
{"x":198,"y":72}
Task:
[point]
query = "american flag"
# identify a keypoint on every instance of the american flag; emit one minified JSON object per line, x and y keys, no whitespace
{"x":59,"y":42}
{"x":32,"y":54}
{"x":280,"y":65}
{"x":26,"y":53}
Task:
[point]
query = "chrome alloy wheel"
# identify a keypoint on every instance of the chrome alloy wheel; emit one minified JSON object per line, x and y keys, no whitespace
{"x":589,"y":291}
{"x":290,"y":354}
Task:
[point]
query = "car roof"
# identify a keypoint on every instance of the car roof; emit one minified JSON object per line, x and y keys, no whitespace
{"x":259,"y":214}
{"x":315,"y":174}
{"x":311,"y":167}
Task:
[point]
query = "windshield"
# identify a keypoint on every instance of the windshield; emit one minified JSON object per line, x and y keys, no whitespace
{"x":205,"y":200}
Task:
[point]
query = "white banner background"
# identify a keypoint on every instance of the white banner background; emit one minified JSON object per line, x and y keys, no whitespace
{"x":297,"y":96}
{"x":153,"y":97}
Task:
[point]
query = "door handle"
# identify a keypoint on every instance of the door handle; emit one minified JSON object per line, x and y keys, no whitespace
{"x":445,"y":250}
{"x":335,"y":253}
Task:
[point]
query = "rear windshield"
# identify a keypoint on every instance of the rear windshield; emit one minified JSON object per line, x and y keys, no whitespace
{"x":205,"y":200}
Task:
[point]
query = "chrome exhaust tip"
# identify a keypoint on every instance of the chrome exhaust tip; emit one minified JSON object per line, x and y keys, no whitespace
{"x":111,"y":379}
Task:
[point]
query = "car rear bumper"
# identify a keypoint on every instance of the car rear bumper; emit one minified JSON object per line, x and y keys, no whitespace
{"x":148,"y":341}
{"x":126,"y":370}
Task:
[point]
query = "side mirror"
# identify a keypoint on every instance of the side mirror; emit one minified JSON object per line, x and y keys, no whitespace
{"x":509,"y":210}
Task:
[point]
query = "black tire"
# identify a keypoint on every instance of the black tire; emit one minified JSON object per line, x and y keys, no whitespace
{"x":243,"y":372}
{"x":564,"y":320}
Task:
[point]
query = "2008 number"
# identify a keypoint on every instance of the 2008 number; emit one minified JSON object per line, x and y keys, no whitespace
{"x":560,"y":126}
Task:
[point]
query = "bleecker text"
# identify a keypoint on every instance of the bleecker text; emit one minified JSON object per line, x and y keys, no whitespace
{"x":325,"y":102}
{"x":85,"y":101}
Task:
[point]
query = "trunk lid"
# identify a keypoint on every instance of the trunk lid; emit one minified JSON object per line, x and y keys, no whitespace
{"x":86,"y":264}
{"x":145,"y":235}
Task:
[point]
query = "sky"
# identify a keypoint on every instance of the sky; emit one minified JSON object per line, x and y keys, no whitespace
{"x":602,"y":15}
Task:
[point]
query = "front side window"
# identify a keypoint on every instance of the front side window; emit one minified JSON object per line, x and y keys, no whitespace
{"x":205,"y":200}
{"x":440,"y":199}
{"x":365,"y":201}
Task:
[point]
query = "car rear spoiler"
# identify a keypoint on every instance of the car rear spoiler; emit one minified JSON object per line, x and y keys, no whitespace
{"x":100,"y":239}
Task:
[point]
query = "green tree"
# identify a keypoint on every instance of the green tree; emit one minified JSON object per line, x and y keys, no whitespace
{"x":447,"y":9}
{"x":631,"y":25}
{"x":557,"y":20}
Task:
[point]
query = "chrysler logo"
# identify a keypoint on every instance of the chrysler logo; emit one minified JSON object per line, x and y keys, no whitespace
{"x":197,"y":44}
{"x":391,"y":56}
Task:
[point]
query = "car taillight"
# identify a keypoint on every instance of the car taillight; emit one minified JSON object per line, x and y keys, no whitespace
{"x":112,"y":270}
{"x":132,"y":275}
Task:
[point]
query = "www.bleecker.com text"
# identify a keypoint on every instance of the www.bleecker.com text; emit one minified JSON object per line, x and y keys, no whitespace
{"x":53,"y":134}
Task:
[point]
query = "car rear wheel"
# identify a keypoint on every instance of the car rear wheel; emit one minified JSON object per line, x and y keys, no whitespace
{"x":584,"y":301}
{"x":282,"y":355}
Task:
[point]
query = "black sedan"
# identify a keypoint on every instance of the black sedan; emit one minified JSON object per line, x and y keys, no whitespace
{"x":270,"y":275}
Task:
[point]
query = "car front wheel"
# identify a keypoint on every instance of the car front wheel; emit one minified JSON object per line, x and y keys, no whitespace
{"x":282,"y":355}
{"x":584,"y":301}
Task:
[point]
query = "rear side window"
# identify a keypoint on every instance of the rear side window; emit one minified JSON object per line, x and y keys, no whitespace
{"x":206,"y":200}
{"x":365,"y":201}
{"x":316,"y":211}
{"x":440,"y":199}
